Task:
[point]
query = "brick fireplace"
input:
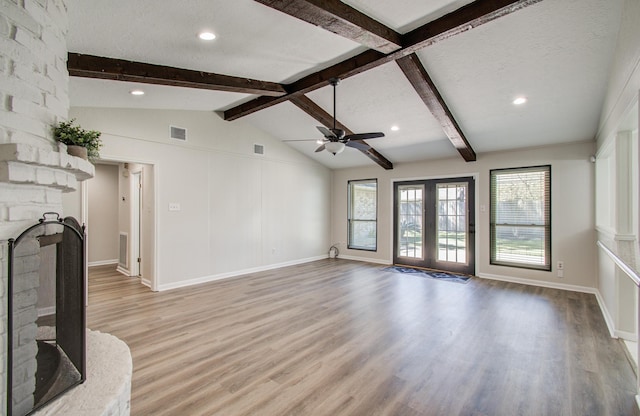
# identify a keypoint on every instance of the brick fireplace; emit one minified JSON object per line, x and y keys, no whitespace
{"x":35,"y":171}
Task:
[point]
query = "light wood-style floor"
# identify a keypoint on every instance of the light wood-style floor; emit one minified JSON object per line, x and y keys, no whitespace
{"x":336,"y":337}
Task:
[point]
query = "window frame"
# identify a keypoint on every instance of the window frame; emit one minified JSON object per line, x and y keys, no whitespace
{"x":351,"y":220}
{"x":547,"y":227}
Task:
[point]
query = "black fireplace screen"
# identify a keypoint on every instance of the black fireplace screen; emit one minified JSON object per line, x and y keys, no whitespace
{"x":46,"y":307}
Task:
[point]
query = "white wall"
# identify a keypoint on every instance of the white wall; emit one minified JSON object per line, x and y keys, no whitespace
{"x":238,"y":211}
{"x":617,"y":192}
{"x":624,"y":81}
{"x":72,"y":204}
{"x":572,"y":203}
{"x":102,"y":231}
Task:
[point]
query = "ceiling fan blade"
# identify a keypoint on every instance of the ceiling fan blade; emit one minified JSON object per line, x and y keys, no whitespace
{"x":320,"y":149}
{"x":326,"y":132}
{"x":362,"y":136}
{"x":358,"y":144}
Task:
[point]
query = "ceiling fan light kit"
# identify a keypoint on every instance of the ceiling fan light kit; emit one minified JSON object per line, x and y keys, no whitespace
{"x":335,"y":139}
{"x":334,"y":147}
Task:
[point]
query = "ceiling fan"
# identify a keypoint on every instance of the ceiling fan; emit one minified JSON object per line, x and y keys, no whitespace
{"x":335,"y":139}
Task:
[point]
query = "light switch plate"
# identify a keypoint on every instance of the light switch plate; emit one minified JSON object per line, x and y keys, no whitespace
{"x":174,"y":206}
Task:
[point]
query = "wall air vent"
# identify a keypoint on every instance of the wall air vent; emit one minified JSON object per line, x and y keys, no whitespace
{"x":178,"y":133}
{"x":258,"y":149}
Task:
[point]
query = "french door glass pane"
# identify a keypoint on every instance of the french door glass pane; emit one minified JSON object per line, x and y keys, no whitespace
{"x":410,"y":221}
{"x":452,"y":222}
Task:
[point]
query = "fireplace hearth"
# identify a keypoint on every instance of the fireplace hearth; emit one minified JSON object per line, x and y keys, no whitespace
{"x":46,"y":306}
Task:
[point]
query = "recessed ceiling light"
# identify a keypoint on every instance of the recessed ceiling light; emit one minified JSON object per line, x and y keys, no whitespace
{"x":395,"y":128}
{"x":137,"y":92}
{"x":520,"y":100}
{"x":206,"y":35}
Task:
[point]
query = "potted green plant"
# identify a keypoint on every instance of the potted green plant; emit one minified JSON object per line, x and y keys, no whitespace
{"x":80,"y":142}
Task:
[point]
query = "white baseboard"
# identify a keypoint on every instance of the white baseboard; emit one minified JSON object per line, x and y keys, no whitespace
{"x":145,"y":282}
{"x":211,"y":278}
{"x":365,"y":259}
{"x":607,"y":316}
{"x":626,"y":335}
{"x":122,"y":270}
{"x":540,"y":283}
{"x":632,"y":350}
{"x":50,"y":310}
{"x":102,"y":263}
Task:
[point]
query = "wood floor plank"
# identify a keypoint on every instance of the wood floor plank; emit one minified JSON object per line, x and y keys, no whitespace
{"x":337,"y":337}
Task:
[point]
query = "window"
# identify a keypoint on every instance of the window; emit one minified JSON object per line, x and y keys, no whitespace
{"x":362,"y":218}
{"x":521,"y":217}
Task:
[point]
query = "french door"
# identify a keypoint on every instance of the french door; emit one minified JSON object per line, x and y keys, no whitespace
{"x":434,"y":224}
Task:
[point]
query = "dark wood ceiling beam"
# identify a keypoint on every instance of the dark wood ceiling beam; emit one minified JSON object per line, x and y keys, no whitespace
{"x":324,"y":118}
{"x":89,"y":66}
{"x":318,"y":113}
{"x":357,"y":64}
{"x":463,"y":19}
{"x":426,"y":89}
{"x":341,"y":19}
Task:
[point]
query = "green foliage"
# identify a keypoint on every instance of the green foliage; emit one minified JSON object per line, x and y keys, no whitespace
{"x":65,"y":132}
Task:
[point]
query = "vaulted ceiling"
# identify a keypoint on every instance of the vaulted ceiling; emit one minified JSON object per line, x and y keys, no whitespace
{"x":444,"y":72}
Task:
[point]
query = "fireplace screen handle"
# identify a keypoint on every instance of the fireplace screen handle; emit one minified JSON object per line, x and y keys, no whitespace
{"x":44,"y":217}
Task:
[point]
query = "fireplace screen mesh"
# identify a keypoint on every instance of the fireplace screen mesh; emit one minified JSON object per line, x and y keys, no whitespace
{"x":46,"y":354}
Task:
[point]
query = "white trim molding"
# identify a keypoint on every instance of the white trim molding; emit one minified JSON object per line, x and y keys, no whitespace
{"x":102,"y":263}
{"x":540,"y":283}
{"x":122,"y":270}
{"x":624,"y":237}
{"x":365,"y":259}
{"x":626,"y":335}
{"x":606,"y":315}
{"x":49,"y":310}
{"x":214,"y":277}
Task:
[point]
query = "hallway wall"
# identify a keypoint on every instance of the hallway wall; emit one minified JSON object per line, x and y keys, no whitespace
{"x":222,"y":210}
{"x":102,"y":228}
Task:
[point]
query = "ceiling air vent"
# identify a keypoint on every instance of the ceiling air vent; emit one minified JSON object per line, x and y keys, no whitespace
{"x":258,"y":149}
{"x":178,"y":133}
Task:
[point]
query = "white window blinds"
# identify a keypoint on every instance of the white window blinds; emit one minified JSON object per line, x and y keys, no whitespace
{"x":521,"y":217}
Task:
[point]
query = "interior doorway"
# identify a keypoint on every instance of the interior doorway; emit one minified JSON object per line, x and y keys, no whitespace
{"x":434,"y":224}
{"x":126,"y":229}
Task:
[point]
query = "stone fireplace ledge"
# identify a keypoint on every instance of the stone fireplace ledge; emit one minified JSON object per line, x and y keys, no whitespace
{"x":107,"y":390}
{"x":23,"y":163}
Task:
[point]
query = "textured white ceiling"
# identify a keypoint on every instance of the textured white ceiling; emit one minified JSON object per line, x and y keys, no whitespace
{"x":253,"y":41}
{"x":556,"y":52}
{"x":406,"y":15}
{"x":86,"y":92}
